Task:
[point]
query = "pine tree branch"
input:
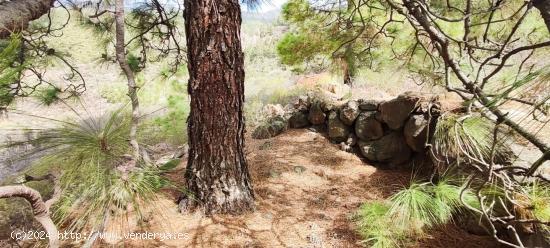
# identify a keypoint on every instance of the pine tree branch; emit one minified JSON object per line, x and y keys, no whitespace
{"x":40,"y":208}
{"x":15,"y":15}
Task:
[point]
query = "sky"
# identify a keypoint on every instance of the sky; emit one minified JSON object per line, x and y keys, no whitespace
{"x":270,"y":5}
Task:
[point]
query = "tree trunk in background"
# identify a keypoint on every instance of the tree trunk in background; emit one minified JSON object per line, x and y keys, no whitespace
{"x":347,"y":65}
{"x":346,"y":72}
{"x":544,"y":7}
{"x":41,"y":210}
{"x":15,"y":15}
{"x":217,"y":172}
{"x":132,"y":87}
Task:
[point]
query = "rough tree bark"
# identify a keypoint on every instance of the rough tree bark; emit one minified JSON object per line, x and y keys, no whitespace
{"x":41,"y":209}
{"x":15,"y":15}
{"x":120,"y":48}
{"x":217,"y":173}
{"x":348,"y":78}
{"x":348,"y":71}
{"x":544,"y":7}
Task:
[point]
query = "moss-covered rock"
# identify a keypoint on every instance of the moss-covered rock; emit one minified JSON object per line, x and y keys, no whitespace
{"x":271,"y":128}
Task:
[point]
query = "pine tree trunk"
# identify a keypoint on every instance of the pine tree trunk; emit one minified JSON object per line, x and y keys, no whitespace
{"x":346,"y":72}
{"x":217,"y":173}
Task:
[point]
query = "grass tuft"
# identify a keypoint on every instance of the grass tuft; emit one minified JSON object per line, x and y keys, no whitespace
{"x":376,"y":227}
{"x":88,"y":153}
{"x":49,"y":95}
{"x":409,"y":212}
{"x":415,"y":207}
{"x":463,"y":138}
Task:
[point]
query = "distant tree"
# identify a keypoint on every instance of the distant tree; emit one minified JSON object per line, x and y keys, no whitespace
{"x":324,"y":30}
{"x":120,"y":50}
{"x":217,"y":174}
{"x":149,"y":22}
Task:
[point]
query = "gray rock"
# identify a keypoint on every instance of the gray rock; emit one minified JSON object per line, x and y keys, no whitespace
{"x":273,"y":127}
{"x":298,"y":119}
{"x":337,"y":130}
{"x":349,"y":144}
{"x":415,"y":132}
{"x":396,"y":111}
{"x":181,"y":152}
{"x":288,"y":108}
{"x":349,"y":112}
{"x":329,"y":104}
{"x":316,"y":115}
{"x":345,"y":147}
{"x":367,"y":127}
{"x":302,"y":104}
{"x":389,"y":149}
{"x":368,"y":105}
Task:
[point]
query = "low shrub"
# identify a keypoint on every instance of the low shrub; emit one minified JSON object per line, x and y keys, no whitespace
{"x":88,"y":154}
{"x":408,"y":213}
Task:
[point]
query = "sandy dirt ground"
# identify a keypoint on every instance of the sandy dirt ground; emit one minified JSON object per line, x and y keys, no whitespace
{"x":307,"y":191}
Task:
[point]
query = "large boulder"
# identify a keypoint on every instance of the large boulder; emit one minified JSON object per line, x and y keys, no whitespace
{"x":337,"y":130}
{"x":368,"y":105}
{"x":271,"y":128}
{"x":316,"y":115}
{"x":349,"y":112}
{"x":298,"y":119}
{"x":390,"y":149}
{"x":367,"y":127}
{"x":415,"y":132}
{"x":396,"y":111}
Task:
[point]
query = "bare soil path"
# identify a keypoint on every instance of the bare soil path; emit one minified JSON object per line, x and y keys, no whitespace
{"x":306,"y":190}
